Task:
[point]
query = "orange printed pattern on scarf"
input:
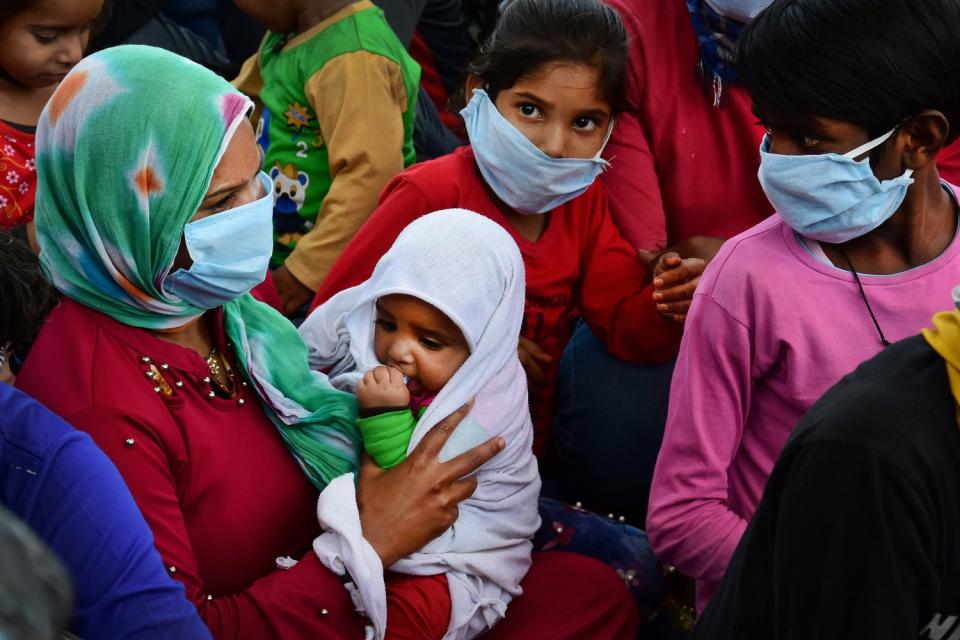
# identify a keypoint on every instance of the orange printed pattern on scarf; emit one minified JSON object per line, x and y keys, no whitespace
{"x":148,"y":181}
{"x":65,"y":94}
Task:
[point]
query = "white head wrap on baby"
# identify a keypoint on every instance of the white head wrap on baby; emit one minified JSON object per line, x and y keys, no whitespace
{"x":468,"y":267}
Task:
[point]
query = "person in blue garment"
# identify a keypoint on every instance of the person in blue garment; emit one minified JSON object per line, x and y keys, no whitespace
{"x":68,"y":492}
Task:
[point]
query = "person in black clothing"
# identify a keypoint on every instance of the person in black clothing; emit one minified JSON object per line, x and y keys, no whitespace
{"x":858,"y":531}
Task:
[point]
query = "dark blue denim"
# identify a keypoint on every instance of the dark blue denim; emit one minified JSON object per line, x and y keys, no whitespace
{"x":617,"y":544}
{"x":608,"y":429}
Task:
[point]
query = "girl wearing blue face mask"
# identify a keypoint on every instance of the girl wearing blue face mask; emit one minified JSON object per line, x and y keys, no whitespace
{"x":861,"y":253}
{"x":539,"y":104}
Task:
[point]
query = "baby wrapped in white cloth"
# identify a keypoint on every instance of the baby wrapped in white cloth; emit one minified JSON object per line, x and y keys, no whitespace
{"x":469,"y":269}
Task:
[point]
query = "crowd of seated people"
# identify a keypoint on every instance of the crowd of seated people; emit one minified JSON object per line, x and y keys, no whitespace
{"x":418,"y":319}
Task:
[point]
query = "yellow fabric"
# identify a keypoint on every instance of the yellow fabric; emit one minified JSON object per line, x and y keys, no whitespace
{"x":944,"y":338}
{"x":359,"y":99}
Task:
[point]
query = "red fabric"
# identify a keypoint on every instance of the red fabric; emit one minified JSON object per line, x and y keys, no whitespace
{"x":221,"y":493}
{"x":568,"y":596}
{"x":579,"y":264}
{"x":948,"y":162}
{"x":432,"y":83}
{"x":564,"y":596}
{"x":418,"y":607}
{"x":680,"y":166}
{"x":18,"y":176}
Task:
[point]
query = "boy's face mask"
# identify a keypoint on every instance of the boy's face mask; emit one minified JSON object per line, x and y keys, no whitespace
{"x":739,"y":10}
{"x":831,"y":197}
{"x":523,"y":176}
{"x":230,"y":250}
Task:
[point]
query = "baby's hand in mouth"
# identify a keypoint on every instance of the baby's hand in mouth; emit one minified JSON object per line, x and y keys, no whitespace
{"x":382,"y":387}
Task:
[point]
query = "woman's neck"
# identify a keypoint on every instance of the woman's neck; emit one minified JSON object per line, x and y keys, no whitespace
{"x":197,"y":336}
{"x":921,"y":229}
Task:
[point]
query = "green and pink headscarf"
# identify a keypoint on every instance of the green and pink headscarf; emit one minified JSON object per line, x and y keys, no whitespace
{"x":126,"y":149}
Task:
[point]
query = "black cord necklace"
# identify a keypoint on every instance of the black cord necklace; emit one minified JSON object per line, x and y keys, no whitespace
{"x":863,"y":294}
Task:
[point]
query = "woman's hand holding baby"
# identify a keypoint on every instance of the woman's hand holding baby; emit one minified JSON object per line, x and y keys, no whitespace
{"x":381,"y":388}
{"x":674,"y":282}
{"x":407,"y":506}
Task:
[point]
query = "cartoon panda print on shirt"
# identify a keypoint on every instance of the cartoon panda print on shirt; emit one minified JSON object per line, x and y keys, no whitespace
{"x":289,"y":194}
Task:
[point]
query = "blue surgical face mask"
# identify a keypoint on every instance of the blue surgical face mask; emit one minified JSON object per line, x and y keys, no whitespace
{"x":739,"y":10}
{"x":830,"y":197}
{"x":230,"y":251}
{"x":522,"y":175}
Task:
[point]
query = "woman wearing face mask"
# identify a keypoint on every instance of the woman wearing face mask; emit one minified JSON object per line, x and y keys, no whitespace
{"x":862,"y":252}
{"x":542,"y":98}
{"x":150,"y":217}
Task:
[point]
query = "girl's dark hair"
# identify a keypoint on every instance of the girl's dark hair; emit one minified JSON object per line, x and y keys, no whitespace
{"x":872,"y":63}
{"x":532,"y":33}
{"x":10,"y":8}
{"x":26,"y":297}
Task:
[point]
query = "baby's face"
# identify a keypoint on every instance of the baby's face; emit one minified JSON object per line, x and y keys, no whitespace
{"x":419,"y":340}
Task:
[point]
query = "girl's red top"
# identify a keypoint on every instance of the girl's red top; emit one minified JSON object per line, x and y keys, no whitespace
{"x":18,"y":174}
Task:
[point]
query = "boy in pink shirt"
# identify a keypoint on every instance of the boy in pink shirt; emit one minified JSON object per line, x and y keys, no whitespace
{"x":786,"y":309}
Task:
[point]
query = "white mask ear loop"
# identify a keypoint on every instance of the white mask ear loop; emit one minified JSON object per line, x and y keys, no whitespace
{"x":873,"y":144}
{"x":606,"y":138}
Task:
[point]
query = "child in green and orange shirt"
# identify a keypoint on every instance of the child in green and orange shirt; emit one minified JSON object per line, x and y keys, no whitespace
{"x":337,"y":94}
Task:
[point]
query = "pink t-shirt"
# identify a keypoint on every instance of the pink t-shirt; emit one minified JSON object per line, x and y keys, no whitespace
{"x":772,"y":327}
